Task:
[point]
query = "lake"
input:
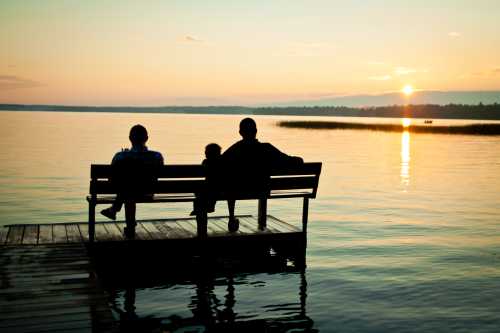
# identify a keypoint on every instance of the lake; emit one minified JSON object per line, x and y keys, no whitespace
{"x":404,"y":235}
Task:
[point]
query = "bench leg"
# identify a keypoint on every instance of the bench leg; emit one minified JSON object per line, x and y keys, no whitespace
{"x":262,"y":217}
{"x":91,"y":222}
{"x":305,"y":215}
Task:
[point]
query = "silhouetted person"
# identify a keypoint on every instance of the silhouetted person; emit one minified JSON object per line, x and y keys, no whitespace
{"x":131,"y":185}
{"x":212,"y":164}
{"x":248,"y":164}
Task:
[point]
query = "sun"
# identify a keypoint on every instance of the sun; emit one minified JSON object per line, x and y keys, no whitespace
{"x":407,"y":90}
{"x":406,"y":122}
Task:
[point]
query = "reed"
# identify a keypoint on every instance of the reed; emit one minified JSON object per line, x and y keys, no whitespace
{"x":473,"y":129}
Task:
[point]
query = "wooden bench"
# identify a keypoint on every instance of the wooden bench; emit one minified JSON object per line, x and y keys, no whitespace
{"x":179,"y":183}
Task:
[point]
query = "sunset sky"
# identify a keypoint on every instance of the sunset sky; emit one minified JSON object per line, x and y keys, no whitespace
{"x":242,"y":52}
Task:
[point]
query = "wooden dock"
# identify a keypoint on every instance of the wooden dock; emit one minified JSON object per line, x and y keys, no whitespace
{"x":166,"y":229}
{"x":48,"y":271}
{"x":51,"y":288}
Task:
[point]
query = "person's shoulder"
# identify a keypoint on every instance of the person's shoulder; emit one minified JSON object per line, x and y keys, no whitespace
{"x":156,"y":155}
{"x":234,"y":147}
{"x":121,"y":154}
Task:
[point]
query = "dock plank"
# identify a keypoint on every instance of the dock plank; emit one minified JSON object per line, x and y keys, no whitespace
{"x":101,"y":233}
{"x":30,"y":234}
{"x":282,"y":226}
{"x":59,"y":233}
{"x":73,"y":233}
{"x":3,"y":234}
{"x":170,"y":229}
{"x":45,"y":235}
{"x":45,"y":290}
{"x":114,"y":232}
{"x":84,"y":231}
{"x":141,"y":233}
{"x":15,"y":235}
{"x":185,"y":230}
{"x":189,"y":225}
{"x":246,"y":226}
{"x":214,"y":229}
{"x":154,"y":232}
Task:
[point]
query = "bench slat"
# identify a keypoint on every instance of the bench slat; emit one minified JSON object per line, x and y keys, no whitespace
{"x":105,"y":171}
{"x":293,"y":183}
{"x":161,"y":186}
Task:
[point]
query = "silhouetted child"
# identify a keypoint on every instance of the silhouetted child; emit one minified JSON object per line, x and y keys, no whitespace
{"x":212,"y":164}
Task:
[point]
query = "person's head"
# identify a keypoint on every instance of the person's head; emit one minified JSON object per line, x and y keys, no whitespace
{"x":212,"y":150}
{"x":248,"y":129}
{"x":138,"y":135}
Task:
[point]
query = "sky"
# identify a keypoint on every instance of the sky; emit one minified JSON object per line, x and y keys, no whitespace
{"x":242,"y":52}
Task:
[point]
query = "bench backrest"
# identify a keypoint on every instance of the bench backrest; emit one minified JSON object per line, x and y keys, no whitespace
{"x":299,"y":180}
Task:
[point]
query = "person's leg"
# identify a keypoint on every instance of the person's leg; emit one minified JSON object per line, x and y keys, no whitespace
{"x":110,"y":212}
{"x":230,"y":207}
{"x":130,"y":209}
{"x":233,"y":224}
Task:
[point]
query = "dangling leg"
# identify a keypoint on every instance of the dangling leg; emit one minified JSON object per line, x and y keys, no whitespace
{"x":130,"y":209}
{"x":233,"y":224}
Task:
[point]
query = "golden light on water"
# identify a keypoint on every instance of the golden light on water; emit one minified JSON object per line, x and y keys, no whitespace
{"x":407,"y":90}
{"x":406,"y":122}
{"x":405,"y":158}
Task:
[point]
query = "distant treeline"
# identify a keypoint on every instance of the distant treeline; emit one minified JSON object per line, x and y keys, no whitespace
{"x":473,"y":129}
{"x":428,"y":111}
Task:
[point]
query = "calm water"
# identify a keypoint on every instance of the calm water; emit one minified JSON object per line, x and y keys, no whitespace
{"x":404,"y":235}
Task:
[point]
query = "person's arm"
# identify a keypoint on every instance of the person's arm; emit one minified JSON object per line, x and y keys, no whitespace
{"x":161,"y":160}
{"x":278,"y":157}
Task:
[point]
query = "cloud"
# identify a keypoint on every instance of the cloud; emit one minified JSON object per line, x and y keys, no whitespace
{"x":493,"y":72}
{"x":454,"y":34}
{"x":404,"y":71}
{"x":304,"y":49}
{"x":380,"y":78}
{"x":16,"y":82}
{"x":191,"y":39}
{"x":376,"y":63}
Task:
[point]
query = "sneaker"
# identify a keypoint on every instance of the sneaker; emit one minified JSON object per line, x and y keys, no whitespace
{"x":233,"y":225}
{"x":109,"y":213}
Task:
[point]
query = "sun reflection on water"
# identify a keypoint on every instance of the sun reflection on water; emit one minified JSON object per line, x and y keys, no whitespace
{"x":405,"y":158}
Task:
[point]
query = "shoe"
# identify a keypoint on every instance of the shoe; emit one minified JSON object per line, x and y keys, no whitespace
{"x":109,"y":213}
{"x":233,"y":225}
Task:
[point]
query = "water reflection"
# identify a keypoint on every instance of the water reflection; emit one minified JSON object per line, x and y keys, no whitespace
{"x":212,"y":313}
{"x":405,"y":158}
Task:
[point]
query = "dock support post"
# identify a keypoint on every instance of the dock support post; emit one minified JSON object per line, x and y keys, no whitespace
{"x":91,"y":221}
{"x":262,"y":217}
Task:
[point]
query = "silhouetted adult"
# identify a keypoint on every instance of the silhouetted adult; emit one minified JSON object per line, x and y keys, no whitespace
{"x":134,"y":172}
{"x":247,"y":165}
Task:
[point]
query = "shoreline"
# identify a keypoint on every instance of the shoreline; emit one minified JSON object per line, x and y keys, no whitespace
{"x":473,"y":129}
